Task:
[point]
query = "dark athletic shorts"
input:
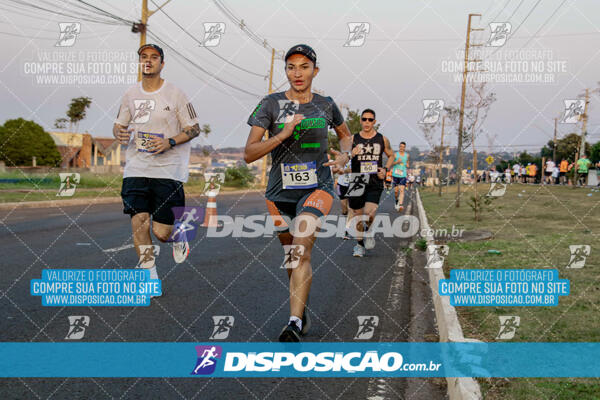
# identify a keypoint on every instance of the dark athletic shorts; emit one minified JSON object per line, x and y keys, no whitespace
{"x":372,"y":194}
{"x":154,"y":196}
{"x":399,"y":181}
{"x":318,"y":202}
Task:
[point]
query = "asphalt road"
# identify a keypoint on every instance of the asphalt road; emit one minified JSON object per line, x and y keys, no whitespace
{"x":239,"y":277}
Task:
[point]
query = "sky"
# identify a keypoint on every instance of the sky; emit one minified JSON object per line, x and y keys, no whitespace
{"x":413,"y":51}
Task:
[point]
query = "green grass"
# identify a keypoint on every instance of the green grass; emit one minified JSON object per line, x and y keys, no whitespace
{"x":35,"y":188}
{"x":533,"y":230}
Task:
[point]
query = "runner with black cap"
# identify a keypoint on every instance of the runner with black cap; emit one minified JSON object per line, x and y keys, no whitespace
{"x":300,"y":187}
{"x":156,"y":121}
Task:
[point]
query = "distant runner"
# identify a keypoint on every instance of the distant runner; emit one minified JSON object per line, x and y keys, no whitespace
{"x":399,"y":164}
{"x":564,"y":168}
{"x":583,"y":165}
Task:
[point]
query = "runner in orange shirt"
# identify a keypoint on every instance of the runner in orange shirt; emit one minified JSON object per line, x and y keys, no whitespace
{"x":564,"y":167}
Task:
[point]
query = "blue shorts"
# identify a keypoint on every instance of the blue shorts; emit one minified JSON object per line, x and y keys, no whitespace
{"x":399,"y":181}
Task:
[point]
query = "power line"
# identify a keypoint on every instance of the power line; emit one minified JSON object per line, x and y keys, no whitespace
{"x":527,"y":16}
{"x":515,"y":10}
{"x":242,"y":25}
{"x":202,"y":45}
{"x":107,"y":13}
{"x":81,"y":16}
{"x":545,"y":22}
{"x":26,"y":37}
{"x":521,"y":24}
{"x":96,"y":33}
{"x":373,"y":39}
{"x":128,"y":22}
{"x":191,"y":62}
{"x":500,"y":12}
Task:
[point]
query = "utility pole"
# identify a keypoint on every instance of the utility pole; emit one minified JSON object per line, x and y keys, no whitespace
{"x":581,"y":151}
{"x":263,"y":178}
{"x":441,"y":157}
{"x":141,"y":26}
{"x":554,"y":150}
{"x":459,"y":157}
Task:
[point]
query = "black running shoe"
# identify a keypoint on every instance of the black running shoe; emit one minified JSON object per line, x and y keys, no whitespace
{"x":291,"y":333}
{"x":305,"y":321}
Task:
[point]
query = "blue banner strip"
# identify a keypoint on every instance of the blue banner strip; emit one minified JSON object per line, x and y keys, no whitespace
{"x":369,"y":359}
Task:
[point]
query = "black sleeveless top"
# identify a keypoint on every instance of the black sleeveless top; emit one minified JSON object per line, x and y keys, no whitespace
{"x":372,"y":150}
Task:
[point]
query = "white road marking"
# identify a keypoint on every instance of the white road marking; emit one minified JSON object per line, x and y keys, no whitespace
{"x":115,"y":249}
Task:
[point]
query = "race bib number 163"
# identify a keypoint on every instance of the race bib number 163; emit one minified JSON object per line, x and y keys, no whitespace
{"x":299,"y":175}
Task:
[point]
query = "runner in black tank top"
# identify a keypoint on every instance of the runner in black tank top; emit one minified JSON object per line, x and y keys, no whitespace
{"x":369,"y":158}
{"x":367,"y":177}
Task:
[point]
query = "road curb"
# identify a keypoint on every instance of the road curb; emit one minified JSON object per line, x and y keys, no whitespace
{"x":447,"y":320}
{"x":94,"y":200}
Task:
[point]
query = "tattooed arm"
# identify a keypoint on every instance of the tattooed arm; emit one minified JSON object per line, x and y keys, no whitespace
{"x":162,"y":144}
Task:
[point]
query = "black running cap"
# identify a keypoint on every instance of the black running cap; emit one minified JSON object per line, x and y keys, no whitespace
{"x":303,"y":49}
{"x":155,"y":47}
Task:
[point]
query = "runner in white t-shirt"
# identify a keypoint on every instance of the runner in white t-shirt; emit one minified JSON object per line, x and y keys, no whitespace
{"x":555,"y":175}
{"x":156,"y":121}
{"x":516,"y":173}
{"x":548,"y":172}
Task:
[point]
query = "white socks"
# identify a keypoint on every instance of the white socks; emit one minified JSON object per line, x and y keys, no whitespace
{"x":297,"y":321}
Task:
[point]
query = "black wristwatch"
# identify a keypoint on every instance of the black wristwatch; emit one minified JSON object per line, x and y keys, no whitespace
{"x":172,"y":142}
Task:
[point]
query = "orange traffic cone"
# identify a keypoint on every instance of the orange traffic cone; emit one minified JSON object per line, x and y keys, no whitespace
{"x":210,"y":216}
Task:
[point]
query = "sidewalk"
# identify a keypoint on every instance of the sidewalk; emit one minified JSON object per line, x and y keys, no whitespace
{"x":97,"y":200}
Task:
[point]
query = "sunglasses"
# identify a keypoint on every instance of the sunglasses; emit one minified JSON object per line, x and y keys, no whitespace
{"x":368,"y":119}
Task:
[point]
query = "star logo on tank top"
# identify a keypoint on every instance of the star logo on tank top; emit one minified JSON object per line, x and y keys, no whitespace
{"x":369,"y":152}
